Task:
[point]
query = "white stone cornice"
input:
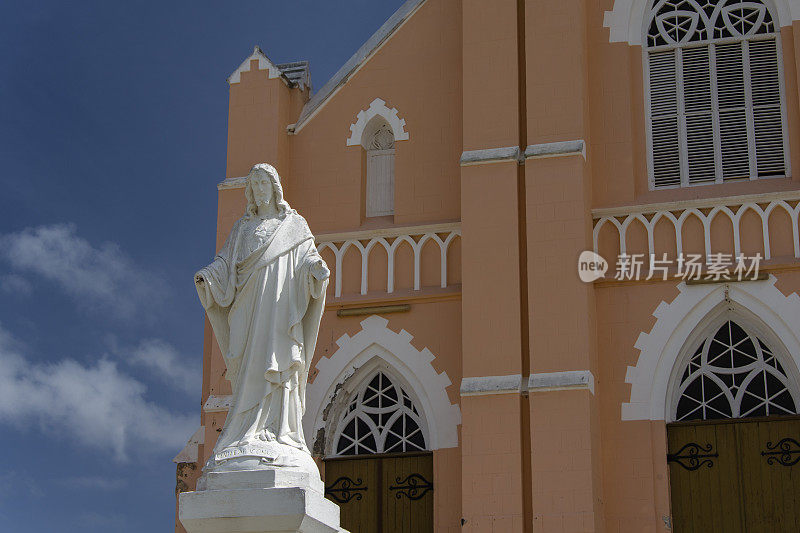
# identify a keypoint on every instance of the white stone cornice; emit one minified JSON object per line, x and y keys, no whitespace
{"x":189,"y":452}
{"x":567,"y":380}
{"x":232,"y":183}
{"x":485,"y":385}
{"x":490,"y":155}
{"x":218,"y":404}
{"x":540,"y":382}
{"x":533,"y":151}
{"x":556,"y":149}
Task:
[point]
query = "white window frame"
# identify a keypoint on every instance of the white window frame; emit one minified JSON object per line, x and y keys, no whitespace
{"x":708,"y":326}
{"x":682,"y":133}
{"x":345,"y":415}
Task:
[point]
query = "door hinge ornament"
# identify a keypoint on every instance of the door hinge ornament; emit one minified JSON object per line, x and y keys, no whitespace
{"x":412,"y":487}
{"x":692,"y":456}
{"x":345,"y":489}
{"x":785,"y":452}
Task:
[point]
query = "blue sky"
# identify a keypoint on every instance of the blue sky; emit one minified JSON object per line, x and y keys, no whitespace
{"x":112,"y":138}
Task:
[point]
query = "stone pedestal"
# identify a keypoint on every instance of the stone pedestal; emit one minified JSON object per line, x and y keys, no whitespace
{"x":260,"y":501}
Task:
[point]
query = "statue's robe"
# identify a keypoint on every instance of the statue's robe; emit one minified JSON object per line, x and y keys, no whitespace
{"x":265,"y":306}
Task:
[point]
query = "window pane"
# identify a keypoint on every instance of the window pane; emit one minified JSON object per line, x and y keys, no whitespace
{"x":766,"y":108}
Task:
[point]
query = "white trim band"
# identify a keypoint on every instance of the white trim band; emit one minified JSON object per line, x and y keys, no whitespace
{"x":445,"y":227}
{"x":189,"y":452}
{"x":533,"y":151}
{"x":568,"y":380}
{"x":490,"y":155}
{"x":232,"y":183}
{"x":556,"y":149}
{"x":701,"y":203}
{"x":514,"y":384}
{"x":484,"y":385}
{"x":218,"y":404}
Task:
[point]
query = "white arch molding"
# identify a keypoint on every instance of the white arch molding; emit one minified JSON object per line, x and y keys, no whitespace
{"x":765,"y":308}
{"x":626,"y":20}
{"x":377,"y":108}
{"x":357,"y":357}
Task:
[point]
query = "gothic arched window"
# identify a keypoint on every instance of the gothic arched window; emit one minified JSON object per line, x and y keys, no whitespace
{"x":734,"y":374}
{"x":378,"y":141}
{"x":380,"y":418}
{"x":714,"y":89}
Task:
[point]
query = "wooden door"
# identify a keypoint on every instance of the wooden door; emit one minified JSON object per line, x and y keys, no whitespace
{"x":355,"y":486}
{"x":770,"y":475}
{"x":387,"y":493}
{"x":703,"y":476}
{"x":735,"y":475}
{"x":407,"y":487}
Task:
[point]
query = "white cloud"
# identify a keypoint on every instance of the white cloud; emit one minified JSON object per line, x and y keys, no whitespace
{"x":12,"y":283}
{"x":96,"y":406}
{"x":166,"y":364}
{"x":95,"y":276}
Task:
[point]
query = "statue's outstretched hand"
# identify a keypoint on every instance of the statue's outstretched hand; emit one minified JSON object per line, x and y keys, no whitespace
{"x":320,"y":270}
{"x":198,"y":280}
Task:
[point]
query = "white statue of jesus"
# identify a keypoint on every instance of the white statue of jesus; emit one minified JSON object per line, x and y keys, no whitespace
{"x":264,"y":294}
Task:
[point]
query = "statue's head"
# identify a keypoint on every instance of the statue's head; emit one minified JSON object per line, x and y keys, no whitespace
{"x":264,"y":187}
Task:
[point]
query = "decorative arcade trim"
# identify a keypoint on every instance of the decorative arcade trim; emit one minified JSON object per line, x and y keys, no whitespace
{"x":732,"y":208}
{"x":415,"y":237}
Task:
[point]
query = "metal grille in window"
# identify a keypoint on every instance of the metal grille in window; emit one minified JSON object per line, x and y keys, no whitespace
{"x":733,"y":374}
{"x":381,"y":418}
{"x":715,"y":104}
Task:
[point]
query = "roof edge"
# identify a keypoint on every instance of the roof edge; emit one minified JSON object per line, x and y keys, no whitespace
{"x":264,"y":63}
{"x":356,"y":61}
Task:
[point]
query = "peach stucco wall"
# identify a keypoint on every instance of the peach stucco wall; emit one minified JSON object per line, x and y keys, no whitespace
{"x":554,"y":461}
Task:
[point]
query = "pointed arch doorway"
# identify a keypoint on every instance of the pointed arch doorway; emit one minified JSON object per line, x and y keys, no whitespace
{"x":734,"y":445}
{"x":380,"y":471}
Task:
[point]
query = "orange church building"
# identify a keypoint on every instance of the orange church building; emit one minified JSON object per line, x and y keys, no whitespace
{"x":468,"y":376}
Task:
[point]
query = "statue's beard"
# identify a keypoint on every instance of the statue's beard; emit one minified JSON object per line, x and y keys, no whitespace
{"x":263,"y":201}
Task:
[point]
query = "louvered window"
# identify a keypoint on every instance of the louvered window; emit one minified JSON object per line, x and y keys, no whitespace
{"x":715,"y":101}
{"x":380,"y":170}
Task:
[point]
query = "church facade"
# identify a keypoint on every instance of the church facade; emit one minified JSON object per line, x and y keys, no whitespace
{"x":565,"y":256}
